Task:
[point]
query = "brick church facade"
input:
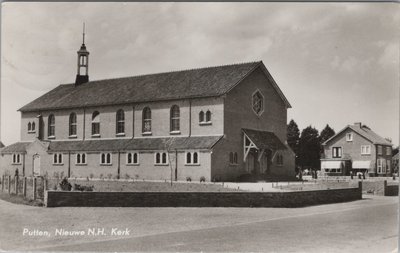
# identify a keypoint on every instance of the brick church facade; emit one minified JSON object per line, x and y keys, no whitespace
{"x":216,"y":122}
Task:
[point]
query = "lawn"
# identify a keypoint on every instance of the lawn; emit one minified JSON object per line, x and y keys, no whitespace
{"x":144,"y":186}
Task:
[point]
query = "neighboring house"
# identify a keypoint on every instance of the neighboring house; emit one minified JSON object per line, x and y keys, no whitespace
{"x":215,"y":122}
{"x":395,"y":163}
{"x":357,"y":148}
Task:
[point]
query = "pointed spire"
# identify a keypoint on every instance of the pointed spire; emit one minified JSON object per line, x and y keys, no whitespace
{"x":83,"y":42}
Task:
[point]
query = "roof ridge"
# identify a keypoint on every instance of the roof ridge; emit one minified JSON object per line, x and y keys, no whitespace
{"x":169,"y":72}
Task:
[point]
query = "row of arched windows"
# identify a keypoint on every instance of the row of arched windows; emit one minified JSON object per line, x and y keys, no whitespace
{"x":205,"y":117}
{"x":120,"y":122}
{"x":31,"y":127}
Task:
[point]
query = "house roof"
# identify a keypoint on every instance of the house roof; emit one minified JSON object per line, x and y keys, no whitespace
{"x":171,"y":143}
{"x":18,"y":147}
{"x":365,"y":132}
{"x":193,"y":83}
{"x":264,"y":139}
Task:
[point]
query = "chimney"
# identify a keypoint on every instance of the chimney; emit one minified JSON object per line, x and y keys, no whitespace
{"x":358,"y":124}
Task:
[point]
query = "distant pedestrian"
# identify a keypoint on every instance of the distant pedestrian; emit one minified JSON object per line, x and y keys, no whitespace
{"x":16,"y":172}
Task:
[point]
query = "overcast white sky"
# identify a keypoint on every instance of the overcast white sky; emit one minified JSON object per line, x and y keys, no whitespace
{"x":337,"y":63}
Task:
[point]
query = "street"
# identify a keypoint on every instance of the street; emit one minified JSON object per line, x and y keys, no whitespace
{"x":368,"y":225}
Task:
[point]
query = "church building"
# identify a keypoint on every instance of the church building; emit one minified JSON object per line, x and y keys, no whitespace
{"x":213,"y":123}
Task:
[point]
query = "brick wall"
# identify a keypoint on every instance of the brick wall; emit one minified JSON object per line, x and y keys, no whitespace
{"x":200,"y":199}
{"x":239,"y":114}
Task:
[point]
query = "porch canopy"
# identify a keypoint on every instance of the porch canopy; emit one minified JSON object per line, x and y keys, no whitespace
{"x":361,"y":164}
{"x":331,"y":164}
{"x":261,"y":140}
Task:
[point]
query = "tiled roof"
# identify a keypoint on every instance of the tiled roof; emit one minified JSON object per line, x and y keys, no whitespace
{"x":179,"y":143}
{"x":364,"y":132}
{"x":203,"y":82}
{"x":18,"y":147}
{"x":264,"y":139}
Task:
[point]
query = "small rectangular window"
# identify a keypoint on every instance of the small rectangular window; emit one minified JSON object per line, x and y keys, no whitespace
{"x":379,"y":150}
{"x":388,"y":151}
{"x":365,"y":149}
{"x":349,"y":137}
{"x":336,"y":152}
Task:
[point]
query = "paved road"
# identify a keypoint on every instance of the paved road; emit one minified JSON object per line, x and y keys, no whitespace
{"x":368,"y":225}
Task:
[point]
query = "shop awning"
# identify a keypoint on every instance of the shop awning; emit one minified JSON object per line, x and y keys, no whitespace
{"x":361,"y":164}
{"x":331,"y":164}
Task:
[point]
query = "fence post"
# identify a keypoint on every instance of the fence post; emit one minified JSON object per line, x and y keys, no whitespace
{"x":24,"y":187}
{"x":9,"y":184}
{"x":34,"y":188}
{"x":16,"y":184}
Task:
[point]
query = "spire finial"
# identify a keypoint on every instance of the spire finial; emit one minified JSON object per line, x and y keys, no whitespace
{"x":83,"y":33}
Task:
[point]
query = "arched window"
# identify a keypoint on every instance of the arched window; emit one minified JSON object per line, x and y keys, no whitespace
{"x":29,"y":127}
{"x":235,"y":158}
{"x":72,"y":124}
{"x":120,"y":122}
{"x":103,"y":158}
{"x":83,"y":158}
{"x":129,"y":158}
{"x":195,"y":158}
{"x":33,"y":126}
{"x":174,"y":116}
{"x":188,"y":158}
{"x":52,"y":126}
{"x":135,"y":158}
{"x":158,"y":160}
{"x":146,"y":128}
{"x":78,"y":158}
{"x":96,"y":123}
{"x":201,"y":116}
{"x":231,"y":157}
{"x":164,"y":158}
{"x":208,"y":116}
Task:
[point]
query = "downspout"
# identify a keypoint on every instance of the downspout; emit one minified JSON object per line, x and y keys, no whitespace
{"x":84,"y":123}
{"x":69,"y":164}
{"x":190,"y":118}
{"x":133,"y":122}
{"x":119,"y":167}
{"x":176,"y":165}
{"x":23,"y":164}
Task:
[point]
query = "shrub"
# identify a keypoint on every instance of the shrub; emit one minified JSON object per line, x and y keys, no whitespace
{"x":188,"y":179}
{"x":202,"y":179}
{"x":56,"y":175}
{"x":101,"y":176}
{"x":65,"y":185}
{"x":109,"y":175}
{"x":91,"y":175}
{"x":85,"y":188}
{"x":62,"y":174}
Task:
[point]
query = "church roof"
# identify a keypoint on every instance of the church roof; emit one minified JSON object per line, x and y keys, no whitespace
{"x":193,"y":83}
{"x":167,"y":143}
{"x":18,"y":147}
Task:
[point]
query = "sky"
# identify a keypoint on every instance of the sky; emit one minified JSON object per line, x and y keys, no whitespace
{"x":337,"y":63}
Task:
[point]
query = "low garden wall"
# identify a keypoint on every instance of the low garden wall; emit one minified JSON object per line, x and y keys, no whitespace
{"x":201,"y":199}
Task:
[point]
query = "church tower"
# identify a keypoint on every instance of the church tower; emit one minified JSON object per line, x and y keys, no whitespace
{"x":83,"y":63}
